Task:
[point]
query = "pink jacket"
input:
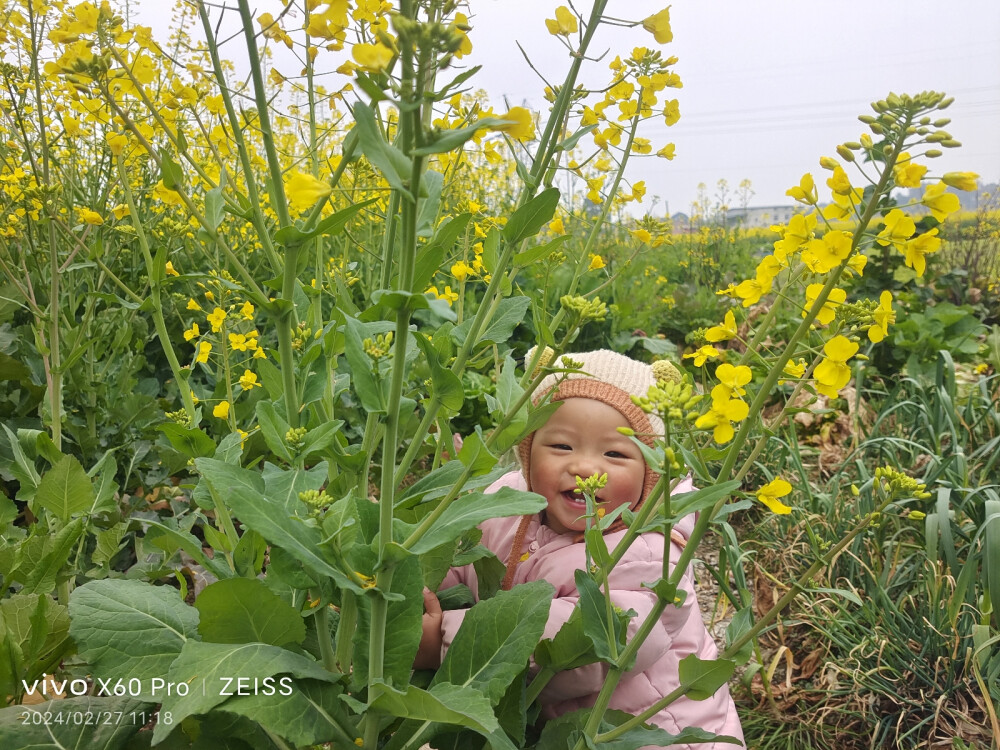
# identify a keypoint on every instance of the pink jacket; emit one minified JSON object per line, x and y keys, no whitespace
{"x":554,"y":558}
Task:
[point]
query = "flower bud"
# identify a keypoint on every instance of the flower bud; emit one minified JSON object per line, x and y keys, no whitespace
{"x":845,"y":153}
{"x":933,"y":153}
{"x":916,"y":515}
{"x":940,"y":123}
{"x":827,"y":163}
{"x":866,"y":119}
{"x":951,"y":143}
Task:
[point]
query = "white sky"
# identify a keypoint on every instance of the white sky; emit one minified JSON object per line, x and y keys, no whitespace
{"x":769,"y":86}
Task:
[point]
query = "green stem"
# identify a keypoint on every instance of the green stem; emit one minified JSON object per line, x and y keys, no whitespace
{"x":180,"y":375}
{"x":326,"y":651}
{"x":345,"y":630}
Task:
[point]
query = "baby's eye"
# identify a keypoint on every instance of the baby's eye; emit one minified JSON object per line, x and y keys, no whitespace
{"x":561,"y":447}
{"x":615,"y":454}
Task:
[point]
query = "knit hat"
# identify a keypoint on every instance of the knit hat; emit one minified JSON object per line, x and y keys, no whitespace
{"x":611,"y":378}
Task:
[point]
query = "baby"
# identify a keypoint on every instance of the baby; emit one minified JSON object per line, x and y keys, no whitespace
{"x":581,"y":439}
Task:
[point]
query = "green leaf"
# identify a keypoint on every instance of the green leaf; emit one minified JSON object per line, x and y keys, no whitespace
{"x":38,"y":628}
{"x":43,"y":574}
{"x":510,"y":312}
{"x":170,"y":540}
{"x":126,"y":717}
{"x":387,"y":159}
{"x":130,"y":629}
{"x":429,"y":206}
{"x":563,"y":732}
{"x":685,"y":503}
{"x":570,"y":143}
{"x":273,"y":427}
{"x":703,"y":677}
{"x":320,"y":438}
{"x":402,"y":626}
{"x":569,"y":649}
{"x":189,"y":441}
{"x":271,"y":520}
{"x":211,"y":668}
{"x":445,"y":704}
{"x":310,"y":714}
{"x":446,"y":384}
{"x":215,"y":207}
{"x":741,"y":623}
{"x":362,"y":377}
{"x":330,"y":226}
{"x":171,"y":174}
{"x":495,"y":640}
{"x":440,"y":481}
{"x":65,"y":489}
{"x":282,"y":486}
{"x":22,"y":469}
{"x":244,"y":610}
{"x":532,"y":216}
{"x":534,"y":254}
{"x":595,"y":626}
{"x":470,"y":510}
{"x":109,"y":543}
{"x":449,"y":140}
{"x":431,"y":256}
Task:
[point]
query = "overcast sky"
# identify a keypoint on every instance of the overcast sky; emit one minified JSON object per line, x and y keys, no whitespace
{"x":769,"y":86}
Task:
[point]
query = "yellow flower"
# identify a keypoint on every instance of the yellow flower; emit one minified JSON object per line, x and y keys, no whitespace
{"x":563,"y":24}
{"x":732,"y":379}
{"x":829,"y":311}
{"x":721,"y":416}
{"x":192,"y":305}
{"x":667,"y":152}
{"x":770,"y":492}
{"x":918,"y":247}
{"x":221,"y":410}
{"x":596,"y":262}
{"x":795,"y":369}
{"x":798,"y":232}
{"x":170,"y":270}
{"x":521,"y":127}
{"x":461,"y":270}
{"x":204,"y":349}
{"x":898,"y":227}
{"x":120,"y":211}
{"x":90,"y":217}
{"x":940,"y":202}
{"x":170,"y":197}
{"x":884,"y":315}
{"x":805,"y":191}
{"x":116,"y":142}
{"x":642,"y":235}
{"x":839,"y":183}
{"x":671,"y":112}
{"x":960,"y":180}
{"x":258,"y":353}
{"x":303,"y":190}
{"x":192,"y":333}
{"x":374,"y":58}
{"x":823,"y":255}
{"x":907,"y":173}
{"x":238,"y":342}
{"x":857,"y":264}
{"x":556,"y":226}
{"x":832,"y":373}
{"x":705,"y":352}
{"x":215,"y":318}
{"x":248,"y":380}
{"x":247,"y":311}
{"x":723,"y":332}
{"x":658,"y":25}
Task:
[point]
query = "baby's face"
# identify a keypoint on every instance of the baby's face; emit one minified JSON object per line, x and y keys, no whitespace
{"x":580,"y":439}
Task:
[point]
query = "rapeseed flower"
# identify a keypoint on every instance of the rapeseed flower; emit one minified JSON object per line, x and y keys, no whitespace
{"x":921,"y":245}
{"x":723,"y":332}
{"x":720,"y":418}
{"x":939,"y":201}
{"x":883,"y":316}
{"x":215,"y":318}
{"x":658,"y":25}
{"x":732,"y":379}
{"x":563,"y":24}
{"x":702,"y":354}
{"x":906,"y":172}
{"x":521,"y":126}
{"x":90,"y":217}
{"x":373,"y":58}
{"x":596,"y":262}
{"x":304,"y":190}
{"x":192,"y":333}
{"x":248,"y":380}
{"x":832,"y":373}
{"x":204,"y":349}
{"x":898,"y":227}
{"x":825,"y":254}
{"x":960,"y":180}
{"x":221,"y":410}
{"x":770,"y":492}
{"x":805,"y":191}
{"x":829,"y":311}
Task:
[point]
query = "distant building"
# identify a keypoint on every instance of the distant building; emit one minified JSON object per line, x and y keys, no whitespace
{"x":753,"y":217}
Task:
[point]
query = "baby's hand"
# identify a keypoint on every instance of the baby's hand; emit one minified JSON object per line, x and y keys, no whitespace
{"x":429,"y":652}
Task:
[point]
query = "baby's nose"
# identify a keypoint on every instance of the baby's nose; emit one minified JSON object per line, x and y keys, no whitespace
{"x":585,"y":466}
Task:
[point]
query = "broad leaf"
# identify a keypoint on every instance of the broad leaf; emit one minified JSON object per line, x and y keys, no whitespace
{"x":129,"y":629}
{"x":532,"y":216}
{"x":244,"y":610}
{"x":273,"y":427}
{"x":65,"y":489}
{"x":126,"y":717}
{"x":211,"y":670}
{"x":509,"y":314}
{"x":470,"y":510}
{"x":301,"y":540}
{"x":40,"y":576}
{"x":306,"y":712}
{"x":496,"y":638}
{"x":564,"y":731}
{"x":704,"y":677}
